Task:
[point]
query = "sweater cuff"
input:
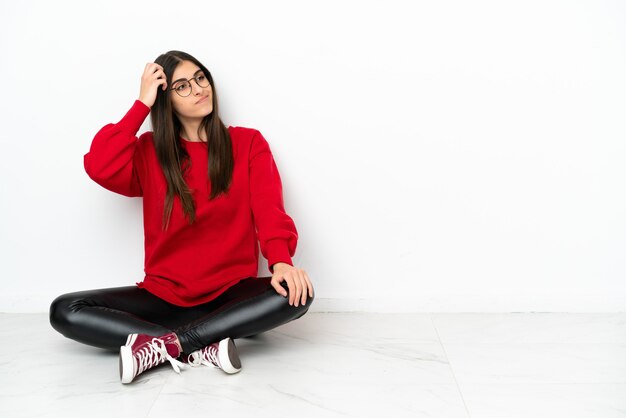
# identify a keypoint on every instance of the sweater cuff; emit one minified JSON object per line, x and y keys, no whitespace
{"x":134,"y":118}
{"x":277,"y":252}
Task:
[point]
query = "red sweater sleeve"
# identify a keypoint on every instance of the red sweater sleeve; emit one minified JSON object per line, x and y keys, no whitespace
{"x":276,"y":230}
{"x":110,"y":161}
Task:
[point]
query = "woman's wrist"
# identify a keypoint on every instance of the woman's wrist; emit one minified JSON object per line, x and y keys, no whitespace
{"x":280,"y":265}
{"x":142,"y":100}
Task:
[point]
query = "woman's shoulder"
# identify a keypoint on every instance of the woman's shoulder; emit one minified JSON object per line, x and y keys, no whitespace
{"x":240,"y":134}
{"x":244,"y":131}
{"x":246,"y":137}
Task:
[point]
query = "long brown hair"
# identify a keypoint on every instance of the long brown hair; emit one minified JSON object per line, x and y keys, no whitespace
{"x":174,"y":159}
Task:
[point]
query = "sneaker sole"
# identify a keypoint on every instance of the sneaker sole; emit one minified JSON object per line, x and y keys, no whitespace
{"x":228,"y":356}
{"x":126,"y":359}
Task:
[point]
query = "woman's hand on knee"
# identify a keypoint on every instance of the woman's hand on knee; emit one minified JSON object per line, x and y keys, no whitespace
{"x":297,"y":281}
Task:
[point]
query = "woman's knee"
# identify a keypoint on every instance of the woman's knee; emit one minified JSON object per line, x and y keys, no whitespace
{"x":309,"y":298}
{"x":301,"y":309}
{"x":61,"y":310}
{"x":58,"y":312}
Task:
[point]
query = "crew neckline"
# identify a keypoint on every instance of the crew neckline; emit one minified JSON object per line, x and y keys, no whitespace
{"x":197,"y":142}
{"x":192,"y":142}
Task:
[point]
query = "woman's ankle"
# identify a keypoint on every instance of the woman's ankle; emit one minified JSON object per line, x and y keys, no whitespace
{"x":179,"y":345}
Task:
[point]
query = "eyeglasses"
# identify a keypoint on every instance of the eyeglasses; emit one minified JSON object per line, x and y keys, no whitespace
{"x":183,"y":87}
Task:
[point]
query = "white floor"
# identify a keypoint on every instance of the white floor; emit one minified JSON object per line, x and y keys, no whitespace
{"x":343,"y":365}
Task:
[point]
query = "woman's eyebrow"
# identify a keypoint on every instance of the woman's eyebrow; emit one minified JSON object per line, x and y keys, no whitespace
{"x":197,"y":71}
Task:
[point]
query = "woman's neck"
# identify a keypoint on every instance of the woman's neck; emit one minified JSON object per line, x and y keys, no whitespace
{"x":189,"y":130}
{"x":191,"y":134}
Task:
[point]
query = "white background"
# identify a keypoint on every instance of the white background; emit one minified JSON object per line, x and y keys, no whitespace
{"x":435,"y":156}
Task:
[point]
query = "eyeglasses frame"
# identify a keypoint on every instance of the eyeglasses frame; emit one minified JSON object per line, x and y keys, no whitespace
{"x":189,"y":81}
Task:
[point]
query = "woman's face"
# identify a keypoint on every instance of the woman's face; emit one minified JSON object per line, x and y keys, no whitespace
{"x":183,"y":80}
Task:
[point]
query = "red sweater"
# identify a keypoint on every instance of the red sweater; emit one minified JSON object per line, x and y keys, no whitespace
{"x":192,"y":264}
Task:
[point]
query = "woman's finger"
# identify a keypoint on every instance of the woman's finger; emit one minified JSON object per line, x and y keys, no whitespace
{"x":279,"y":289}
{"x":304,"y":287}
{"x":292,"y":287}
{"x":160,"y":75}
{"x":309,"y":284}
{"x":298,"y":285}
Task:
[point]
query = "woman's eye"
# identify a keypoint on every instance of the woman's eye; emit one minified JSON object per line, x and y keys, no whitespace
{"x":200,"y":77}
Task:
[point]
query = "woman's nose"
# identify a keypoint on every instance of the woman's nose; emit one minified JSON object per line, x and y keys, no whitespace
{"x":196,"y":88}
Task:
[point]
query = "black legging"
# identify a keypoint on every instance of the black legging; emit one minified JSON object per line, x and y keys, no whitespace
{"x":104,"y":317}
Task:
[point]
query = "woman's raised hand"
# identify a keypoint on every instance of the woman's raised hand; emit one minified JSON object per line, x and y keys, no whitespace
{"x":153,"y":76}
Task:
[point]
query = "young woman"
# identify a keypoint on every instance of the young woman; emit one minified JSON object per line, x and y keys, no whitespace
{"x":211,"y":196}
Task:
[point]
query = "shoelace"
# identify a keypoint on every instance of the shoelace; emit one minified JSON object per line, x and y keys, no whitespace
{"x":206,"y":356}
{"x":155,"y":353}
